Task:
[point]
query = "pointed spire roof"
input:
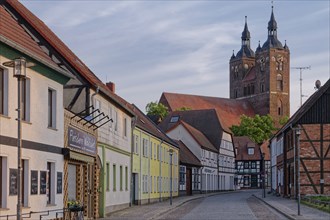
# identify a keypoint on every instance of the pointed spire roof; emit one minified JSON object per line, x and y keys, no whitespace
{"x":259,"y":47}
{"x":246,"y":32}
{"x":233,"y":56}
{"x":272,"y":41}
{"x":286,"y":46}
{"x":272,"y":24}
{"x":245,"y":50}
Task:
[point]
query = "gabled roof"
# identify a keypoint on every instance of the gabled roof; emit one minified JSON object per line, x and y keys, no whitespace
{"x":64,"y":51}
{"x":146,"y":124}
{"x":242,"y":144}
{"x":309,"y":111}
{"x":205,"y":121}
{"x":228,"y":110}
{"x":15,"y":36}
{"x":265,"y":149}
{"x":186,"y":156}
{"x":197,"y":135}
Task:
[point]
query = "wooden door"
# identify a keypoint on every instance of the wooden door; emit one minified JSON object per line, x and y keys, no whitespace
{"x":188,"y":181}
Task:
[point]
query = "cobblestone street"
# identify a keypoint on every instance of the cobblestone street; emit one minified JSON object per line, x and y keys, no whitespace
{"x":240,"y":205}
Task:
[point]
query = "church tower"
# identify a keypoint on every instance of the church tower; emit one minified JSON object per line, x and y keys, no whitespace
{"x":263,"y":78}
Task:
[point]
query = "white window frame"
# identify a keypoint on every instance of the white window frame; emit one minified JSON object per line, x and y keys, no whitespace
{"x":250,"y":150}
{"x":4,"y":182}
{"x":52,"y":123}
{"x":4,"y":110}
{"x":125,"y":127}
{"x":116,"y":120}
{"x":27,"y":92}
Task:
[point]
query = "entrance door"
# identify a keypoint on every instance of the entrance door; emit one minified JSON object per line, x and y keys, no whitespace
{"x":188,"y":181}
{"x":89,"y":189}
{"x":135,"y":182}
{"x":254,"y":181}
{"x":72,"y":179}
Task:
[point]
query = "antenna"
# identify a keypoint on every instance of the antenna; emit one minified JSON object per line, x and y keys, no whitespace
{"x":301,"y":69}
{"x":317,"y":84}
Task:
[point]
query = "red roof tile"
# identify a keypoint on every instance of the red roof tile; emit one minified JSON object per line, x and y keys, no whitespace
{"x":251,"y":75}
{"x":144,"y":122}
{"x":228,"y":110}
{"x":242,"y":144}
{"x":11,"y":30}
{"x":265,"y":149}
{"x":63,"y":50}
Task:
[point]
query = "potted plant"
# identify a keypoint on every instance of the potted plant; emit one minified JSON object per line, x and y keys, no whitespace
{"x":75,"y":206}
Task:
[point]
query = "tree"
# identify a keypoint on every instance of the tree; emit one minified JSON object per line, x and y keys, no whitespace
{"x":157,"y":109}
{"x":258,"y":128}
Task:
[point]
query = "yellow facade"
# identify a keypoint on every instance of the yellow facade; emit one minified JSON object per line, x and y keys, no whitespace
{"x":151,"y":168}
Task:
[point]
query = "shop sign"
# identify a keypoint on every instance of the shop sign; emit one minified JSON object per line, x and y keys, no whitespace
{"x":206,"y":170}
{"x":81,"y":141}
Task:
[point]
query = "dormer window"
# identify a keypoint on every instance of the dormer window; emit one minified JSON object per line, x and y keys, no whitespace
{"x":250,"y":150}
{"x":174,"y":119}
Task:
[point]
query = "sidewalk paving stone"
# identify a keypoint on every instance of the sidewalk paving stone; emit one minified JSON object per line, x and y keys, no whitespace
{"x":289,"y":208}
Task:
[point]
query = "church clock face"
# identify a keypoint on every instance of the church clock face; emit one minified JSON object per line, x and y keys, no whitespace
{"x":246,"y":66}
{"x":261,"y":61}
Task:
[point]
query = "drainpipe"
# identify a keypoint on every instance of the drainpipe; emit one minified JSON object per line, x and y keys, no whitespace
{"x":160,"y":171}
{"x":94,"y":94}
{"x":149,"y":158}
{"x":202,"y":179}
{"x":133,"y":123}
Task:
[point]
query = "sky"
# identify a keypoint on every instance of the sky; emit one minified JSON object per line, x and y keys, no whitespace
{"x":150,"y":47}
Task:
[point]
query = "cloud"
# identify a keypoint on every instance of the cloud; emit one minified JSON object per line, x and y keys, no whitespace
{"x":148,"y":47}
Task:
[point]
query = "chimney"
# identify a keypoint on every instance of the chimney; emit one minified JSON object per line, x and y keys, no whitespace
{"x":111,"y":86}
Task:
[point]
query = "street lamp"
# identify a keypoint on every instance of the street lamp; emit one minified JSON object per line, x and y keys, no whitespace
{"x":19,"y":66}
{"x":171,"y":154}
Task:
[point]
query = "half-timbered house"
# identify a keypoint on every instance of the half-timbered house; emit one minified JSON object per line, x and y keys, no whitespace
{"x":305,"y":138}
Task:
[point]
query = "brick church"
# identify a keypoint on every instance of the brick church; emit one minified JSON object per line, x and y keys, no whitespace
{"x":262,"y":77}
{"x":259,"y":82}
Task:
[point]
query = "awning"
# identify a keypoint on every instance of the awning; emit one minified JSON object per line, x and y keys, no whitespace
{"x":81,"y":157}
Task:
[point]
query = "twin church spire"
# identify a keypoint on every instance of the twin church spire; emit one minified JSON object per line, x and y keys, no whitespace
{"x":271,"y":42}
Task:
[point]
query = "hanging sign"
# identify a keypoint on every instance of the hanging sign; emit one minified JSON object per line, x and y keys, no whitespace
{"x":81,"y":141}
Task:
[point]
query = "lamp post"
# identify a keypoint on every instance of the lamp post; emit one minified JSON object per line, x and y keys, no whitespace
{"x":19,"y":66}
{"x":171,"y":154}
{"x":263,"y":176}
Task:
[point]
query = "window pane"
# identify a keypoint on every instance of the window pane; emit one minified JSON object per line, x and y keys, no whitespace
{"x":2,"y":91}
{"x":50,"y":108}
{"x":23,"y":98}
{"x":114,"y":177}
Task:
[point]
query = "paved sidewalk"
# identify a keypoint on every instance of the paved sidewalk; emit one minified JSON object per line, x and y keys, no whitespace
{"x":289,"y":208}
{"x":154,"y":210}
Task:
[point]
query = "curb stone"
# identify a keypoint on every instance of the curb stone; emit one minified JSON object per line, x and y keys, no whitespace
{"x":277,"y":209}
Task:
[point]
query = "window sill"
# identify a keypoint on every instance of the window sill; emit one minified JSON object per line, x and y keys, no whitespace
{"x":27,"y":122}
{"x":5,"y":116}
{"x":51,"y":128}
{"x":51,"y":205}
{"x":26,"y":207}
{"x":4,"y":209}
